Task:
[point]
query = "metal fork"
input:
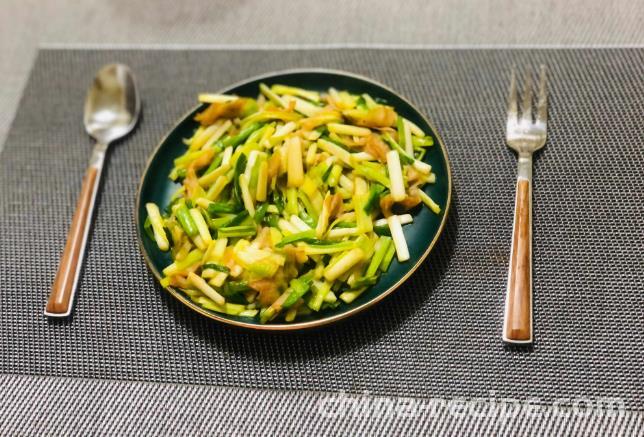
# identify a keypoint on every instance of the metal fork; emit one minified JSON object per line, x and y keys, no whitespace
{"x":524,"y":136}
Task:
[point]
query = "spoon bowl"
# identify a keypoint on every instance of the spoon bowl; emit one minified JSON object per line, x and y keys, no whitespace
{"x":112,"y":105}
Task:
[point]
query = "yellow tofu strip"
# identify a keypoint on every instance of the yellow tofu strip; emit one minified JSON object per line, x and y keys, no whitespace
{"x":294,"y":162}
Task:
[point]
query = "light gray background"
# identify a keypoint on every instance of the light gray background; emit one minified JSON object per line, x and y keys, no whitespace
{"x":26,"y":24}
{"x":36,"y":405}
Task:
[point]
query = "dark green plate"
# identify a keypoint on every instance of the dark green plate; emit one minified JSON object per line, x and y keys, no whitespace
{"x":421,"y":235}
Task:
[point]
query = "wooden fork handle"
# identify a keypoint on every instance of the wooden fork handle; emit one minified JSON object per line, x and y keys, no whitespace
{"x":517,"y":326}
{"x":63,"y":290}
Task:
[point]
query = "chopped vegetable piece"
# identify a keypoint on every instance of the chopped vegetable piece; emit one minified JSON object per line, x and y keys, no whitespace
{"x":241,"y":136}
{"x":262,"y":182}
{"x":157,"y":226}
{"x":176,"y":267}
{"x":295,"y":165}
{"x":235,"y":287}
{"x":374,"y":197}
{"x":405,"y":158}
{"x":409,"y":147}
{"x":270,"y":95}
{"x":350,"y":296}
{"x":347,"y":129}
{"x":220,"y":207}
{"x":260,"y":213}
{"x":245,"y":194}
{"x":185,"y":220}
{"x":206,"y":289}
{"x":399,"y":238}
{"x":299,"y":223}
{"x":389,"y":256}
{"x":215,"y":98}
{"x":382,"y":246}
{"x":396,"y":177}
{"x":299,"y":287}
{"x":216,"y":110}
{"x":323,"y":249}
{"x":236,"y":231}
{"x":217,"y":267}
{"x":293,"y":91}
{"x":202,"y":227}
{"x":320,"y":290}
{"x":343,"y":264}
{"x":380,"y":116}
{"x":436,"y":209}
{"x":302,"y":106}
{"x":296,"y":237}
{"x":332,"y":148}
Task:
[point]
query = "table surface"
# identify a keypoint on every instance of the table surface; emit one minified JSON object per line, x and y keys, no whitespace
{"x":127,"y":407}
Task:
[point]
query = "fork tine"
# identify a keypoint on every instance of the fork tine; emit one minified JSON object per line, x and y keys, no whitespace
{"x":513,"y":108}
{"x":542,"y":104}
{"x":526,"y":104}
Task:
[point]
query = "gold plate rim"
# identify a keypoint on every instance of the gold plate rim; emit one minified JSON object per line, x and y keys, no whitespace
{"x":297,"y":326}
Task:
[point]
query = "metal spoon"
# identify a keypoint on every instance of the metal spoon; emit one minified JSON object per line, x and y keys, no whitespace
{"x":112,"y":109}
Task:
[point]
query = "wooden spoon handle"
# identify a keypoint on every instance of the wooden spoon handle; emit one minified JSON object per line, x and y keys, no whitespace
{"x":517,"y":326}
{"x":64,"y":288}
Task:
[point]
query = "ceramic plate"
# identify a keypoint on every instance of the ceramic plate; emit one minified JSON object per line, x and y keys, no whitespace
{"x":421,"y":235}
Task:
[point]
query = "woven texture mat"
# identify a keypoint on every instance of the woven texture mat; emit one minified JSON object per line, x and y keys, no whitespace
{"x":439,"y":334}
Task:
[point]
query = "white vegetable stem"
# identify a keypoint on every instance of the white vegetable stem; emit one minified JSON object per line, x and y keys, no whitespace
{"x":345,"y":129}
{"x":157,"y":226}
{"x":302,"y":106}
{"x":252,"y":159}
{"x":345,"y":232}
{"x":206,"y":289}
{"x":415,"y":129}
{"x":422,"y":167}
{"x":346,"y":183}
{"x":395,"y":175}
{"x":293,"y":91}
{"x":208,"y":179}
{"x":220,"y":249}
{"x":199,"y":242}
{"x":363,"y":156}
{"x":405,"y":219}
{"x":284,"y":129}
{"x":323,"y":219}
{"x":343,"y":264}
{"x":287,"y":227}
{"x":246,"y":197}
{"x":202,"y":227}
{"x":200,"y":140}
{"x":218,"y":279}
{"x":216,"y":98}
{"x":221,"y":130}
{"x":228,"y":153}
{"x":342,"y":232}
{"x":335,"y":150}
{"x":402,"y":251}
{"x":299,"y":224}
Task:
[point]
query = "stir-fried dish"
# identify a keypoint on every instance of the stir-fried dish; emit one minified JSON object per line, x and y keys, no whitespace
{"x":290,"y":203}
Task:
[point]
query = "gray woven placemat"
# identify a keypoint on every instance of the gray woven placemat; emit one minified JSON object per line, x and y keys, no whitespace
{"x":35,"y":405}
{"x":439,"y":335}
